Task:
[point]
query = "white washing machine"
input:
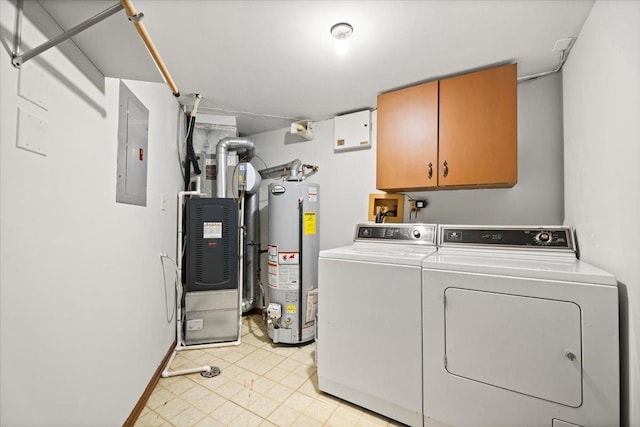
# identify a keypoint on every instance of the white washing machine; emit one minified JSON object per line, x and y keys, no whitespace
{"x":369,"y":345}
{"x":518,"y":331}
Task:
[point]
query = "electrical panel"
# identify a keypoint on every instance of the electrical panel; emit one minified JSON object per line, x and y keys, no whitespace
{"x":352,"y":131}
{"x":133,"y":134}
{"x":212,"y":244}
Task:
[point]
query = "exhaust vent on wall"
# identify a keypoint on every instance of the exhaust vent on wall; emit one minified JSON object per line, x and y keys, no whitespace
{"x":302,"y":128}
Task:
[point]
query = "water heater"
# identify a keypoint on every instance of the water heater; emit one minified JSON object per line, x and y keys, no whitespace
{"x":293,"y":247}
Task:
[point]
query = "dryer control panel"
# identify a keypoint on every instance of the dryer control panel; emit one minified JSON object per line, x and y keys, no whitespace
{"x":554,"y":238}
{"x":421,"y":234}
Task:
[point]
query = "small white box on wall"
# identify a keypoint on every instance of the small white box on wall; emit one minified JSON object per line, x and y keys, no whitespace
{"x":352,"y":131}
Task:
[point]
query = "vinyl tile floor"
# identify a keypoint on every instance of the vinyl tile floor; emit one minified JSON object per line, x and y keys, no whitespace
{"x":260,"y":384}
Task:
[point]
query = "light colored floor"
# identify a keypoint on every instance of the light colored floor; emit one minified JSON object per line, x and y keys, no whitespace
{"x":261,"y":384}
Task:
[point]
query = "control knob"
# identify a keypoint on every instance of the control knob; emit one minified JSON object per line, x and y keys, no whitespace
{"x":543,"y":238}
{"x":416,"y":234}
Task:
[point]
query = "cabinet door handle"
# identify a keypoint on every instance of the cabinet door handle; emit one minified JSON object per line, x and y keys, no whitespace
{"x":430,"y":170}
{"x":445,"y":169}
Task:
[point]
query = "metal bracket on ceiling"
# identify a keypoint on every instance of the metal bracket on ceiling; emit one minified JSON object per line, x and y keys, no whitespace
{"x":18,"y":59}
{"x":136,"y":18}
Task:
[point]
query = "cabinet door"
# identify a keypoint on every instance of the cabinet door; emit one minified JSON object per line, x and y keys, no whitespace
{"x":408,"y":138}
{"x":478,"y":129}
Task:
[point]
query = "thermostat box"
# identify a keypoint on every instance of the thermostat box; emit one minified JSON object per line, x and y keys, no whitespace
{"x":352,"y":131}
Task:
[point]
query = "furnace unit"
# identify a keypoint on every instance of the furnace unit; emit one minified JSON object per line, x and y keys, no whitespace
{"x":211,"y":297}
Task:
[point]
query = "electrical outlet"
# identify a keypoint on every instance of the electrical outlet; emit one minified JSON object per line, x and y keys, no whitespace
{"x":420,"y":204}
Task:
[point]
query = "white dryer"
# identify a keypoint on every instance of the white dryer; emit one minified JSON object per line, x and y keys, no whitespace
{"x":517,"y":331}
{"x":369,"y":345}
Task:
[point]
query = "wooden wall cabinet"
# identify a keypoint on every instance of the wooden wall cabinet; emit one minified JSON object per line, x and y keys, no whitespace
{"x":407,"y":153}
{"x":459,"y":132}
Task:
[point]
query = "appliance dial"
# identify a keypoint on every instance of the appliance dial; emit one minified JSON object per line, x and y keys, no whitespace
{"x":543,"y":238}
{"x":416,"y":234}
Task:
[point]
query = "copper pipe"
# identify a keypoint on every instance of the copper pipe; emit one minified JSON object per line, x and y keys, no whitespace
{"x":135,"y":19}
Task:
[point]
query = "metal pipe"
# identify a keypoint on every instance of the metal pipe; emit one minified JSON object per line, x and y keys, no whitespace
{"x":294,"y":170}
{"x":293,"y":164}
{"x":212,"y":345}
{"x":252,"y":248}
{"x":535,"y":76}
{"x":17,"y":38}
{"x":18,"y":60}
{"x":564,"y":54}
{"x":314,"y":169}
{"x":245,"y":274}
{"x":221,"y":160}
{"x":135,"y":18}
{"x":241,"y":270}
{"x":181,"y":201}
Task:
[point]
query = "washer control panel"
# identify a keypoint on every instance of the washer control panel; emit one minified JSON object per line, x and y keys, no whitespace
{"x":422,"y":234}
{"x":526,"y":237}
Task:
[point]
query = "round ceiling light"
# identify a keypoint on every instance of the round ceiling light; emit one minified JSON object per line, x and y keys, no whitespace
{"x":341,"y":31}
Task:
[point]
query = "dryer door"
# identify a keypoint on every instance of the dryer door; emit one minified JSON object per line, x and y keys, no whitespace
{"x":523,"y":344}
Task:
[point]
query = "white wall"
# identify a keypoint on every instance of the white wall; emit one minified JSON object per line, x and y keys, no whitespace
{"x":84,"y":320}
{"x":345,"y":178}
{"x":602,"y":158}
{"x":537,"y":198}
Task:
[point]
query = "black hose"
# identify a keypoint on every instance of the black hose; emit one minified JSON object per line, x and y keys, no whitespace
{"x":187,"y":165}
{"x":190,"y":152}
{"x":380,"y":216}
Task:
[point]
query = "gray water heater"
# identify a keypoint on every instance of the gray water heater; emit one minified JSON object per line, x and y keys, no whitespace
{"x":293,"y":246}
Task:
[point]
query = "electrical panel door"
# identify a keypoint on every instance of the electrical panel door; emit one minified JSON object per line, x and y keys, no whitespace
{"x":133,"y":135}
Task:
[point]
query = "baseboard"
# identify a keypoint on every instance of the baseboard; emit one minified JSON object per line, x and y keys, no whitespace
{"x":135,"y":413}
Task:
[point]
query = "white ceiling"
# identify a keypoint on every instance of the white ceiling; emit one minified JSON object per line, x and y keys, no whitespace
{"x":277,"y":58}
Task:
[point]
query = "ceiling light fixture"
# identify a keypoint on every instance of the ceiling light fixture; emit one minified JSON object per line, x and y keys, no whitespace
{"x":341,"y":32}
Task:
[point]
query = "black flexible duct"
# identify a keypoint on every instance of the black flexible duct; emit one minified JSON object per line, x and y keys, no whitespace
{"x":191,"y":154}
{"x":186,"y":164}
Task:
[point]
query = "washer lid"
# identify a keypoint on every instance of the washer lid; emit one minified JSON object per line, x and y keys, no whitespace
{"x":398,"y":254}
{"x":519,"y":264}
